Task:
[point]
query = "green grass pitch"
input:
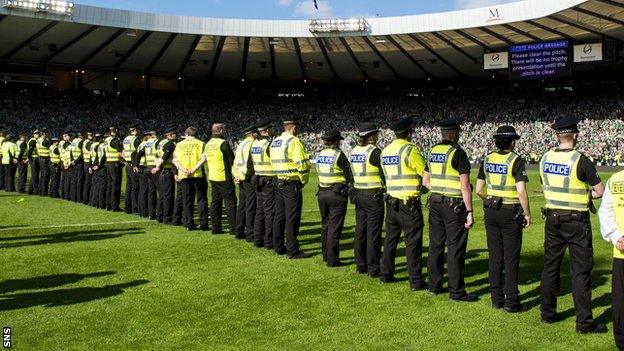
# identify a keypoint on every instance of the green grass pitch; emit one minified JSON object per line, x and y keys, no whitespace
{"x":108,"y":281}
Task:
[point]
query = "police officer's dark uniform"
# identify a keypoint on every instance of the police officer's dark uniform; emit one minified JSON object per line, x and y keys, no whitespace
{"x":2,"y":170}
{"x":504,"y":218}
{"x":94,"y":169}
{"x":86,"y":156}
{"x":22,"y":166}
{"x":368,"y":182}
{"x":130,"y":145}
{"x":243,"y":171}
{"x":403,"y":166}
{"x":43,"y":152}
{"x":150,"y":150}
{"x":139,"y":163}
{"x":102,"y":174}
{"x":567,"y":179}
{"x":265,"y":186}
{"x":9,"y":163}
{"x":77,"y":168}
{"x":335,"y":177}
{"x":66,"y":175}
{"x":188,"y":156}
{"x":448,"y":214}
{"x":32,"y":156}
{"x":166,"y":181}
{"x":219,"y":160}
{"x":55,"y":168}
{"x":114,"y":170}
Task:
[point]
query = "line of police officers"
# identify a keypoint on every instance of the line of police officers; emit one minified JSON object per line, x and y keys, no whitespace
{"x":271,"y":172}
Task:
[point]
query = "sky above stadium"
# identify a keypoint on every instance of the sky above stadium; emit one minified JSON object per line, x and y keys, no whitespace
{"x":292,"y":9}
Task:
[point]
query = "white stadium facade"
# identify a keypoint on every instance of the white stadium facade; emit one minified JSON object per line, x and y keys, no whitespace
{"x":114,"y":50}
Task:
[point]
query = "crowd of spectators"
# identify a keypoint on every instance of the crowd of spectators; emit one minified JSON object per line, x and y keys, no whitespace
{"x":530,"y":111}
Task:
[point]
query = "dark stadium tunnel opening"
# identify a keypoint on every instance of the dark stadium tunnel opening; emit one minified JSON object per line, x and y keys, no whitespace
{"x":48,"y":281}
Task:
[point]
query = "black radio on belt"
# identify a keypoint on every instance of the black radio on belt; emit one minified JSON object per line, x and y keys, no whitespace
{"x":493,"y":202}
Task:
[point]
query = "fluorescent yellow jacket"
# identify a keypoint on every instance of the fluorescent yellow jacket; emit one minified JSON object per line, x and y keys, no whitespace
{"x":403,"y":166}
{"x":289,"y":158}
{"x":8,"y":152}
{"x":214,"y":160}
{"x":150,"y":151}
{"x":42,"y":151}
{"x":261,"y":160}
{"x":499,"y":178}
{"x":562,"y":188}
{"x":365,"y":175}
{"x":54,"y":157}
{"x":616,"y":186}
{"x":188,"y":153}
{"x":444,"y":178}
{"x":242,"y":154}
{"x":128,"y":147}
{"x":329,"y":173}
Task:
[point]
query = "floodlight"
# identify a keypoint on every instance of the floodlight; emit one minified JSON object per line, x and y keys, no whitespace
{"x":49,"y":6}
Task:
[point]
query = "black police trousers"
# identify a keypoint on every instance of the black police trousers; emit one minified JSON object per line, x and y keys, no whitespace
{"x":407,"y":219}
{"x":446,"y":226}
{"x":2,"y":176}
{"x":143,"y":191}
{"x":617,"y":302}
{"x":102,"y":192}
{"x":33,"y":187}
{"x":265,"y":212}
{"x":369,"y":216}
{"x":88,"y":183}
{"x":195,"y":188}
{"x":22,"y":176}
{"x":178,"y":205}
{"x":166,"y":183}
{"x":152,"y":194}
{"x":288,"y":206}
{"x":576,"y":234}
{"x":131,"y":200}
{"x":55,"y":180}
{"x":220,"y":192}
{"x":9,"y":178}
{"x":333,"y":208}
{"x":113,"y":185}
{"x":68,"y":179}
{"x":76,"y":189}
{"x":504,"y":240}
{"x":44,"y":175}
{"x":246,"y":211}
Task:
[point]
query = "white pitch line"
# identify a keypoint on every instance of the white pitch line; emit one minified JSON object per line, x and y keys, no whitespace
{"x":73,"y":225}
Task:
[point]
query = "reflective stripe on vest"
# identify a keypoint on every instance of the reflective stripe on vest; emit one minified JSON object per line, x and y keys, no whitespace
{"x":261,"y":161}
{"x":93,"y":151}
{"x":86,"y":150}
{"x":150,"y":151}
{"x":365,"y":175}
{"x":8,"y":152}
{"x":54,"y":157}
{"x":282,"y":165}
{"x":188,"y":153}
{"x":160,"y":153}
{"x":499,"y":178}
{"x":64,"y":151}
{"x":562,"y":188}
{"x":112,"y":155}
{"x":402,"y":182}
{"x":34,"y":152}
{"x":42,"y":151}
{"x":76,"y":150}
{"x":329,"y":173}
{"x":214,"y":160}
{"x":128,"y":146}
{"x":444,"y":178}
{"x":18,"y":147}
{"x":143,"y":159}
{"x":242,"y":157}
{"x":616,"y":186}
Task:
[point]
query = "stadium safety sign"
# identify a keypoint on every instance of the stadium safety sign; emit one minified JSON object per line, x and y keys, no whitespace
{"x":496,"y":60}
{"x":588,"y":52}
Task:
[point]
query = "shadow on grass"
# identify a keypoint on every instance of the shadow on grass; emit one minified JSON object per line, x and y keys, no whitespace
{"x":63,"y":297}
{"x":71,"y":236}
{"x":13,"y":226}
{"x":47,"y":281}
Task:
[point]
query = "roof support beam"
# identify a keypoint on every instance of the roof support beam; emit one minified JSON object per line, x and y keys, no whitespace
{"x":612,"y":3}
{"x":382,"y":58}
{"x":101,"y":47}
{"x":70,"y":43}
{"x":434,"y":53}
{"x":599,"y":15}
{"x":581,"y":27}
{"x":552,"y":30}
{"x":326,"y":55}
{"x":496,"y":35}
{"x":245,"y":55}
{"x":454,"y":46}
{"x":189,"y":54}
{"x":474,"y":40}
{"x":272,"y":54}
{"x":30,"y":40}
{"x":409,"y":57}
{"x":300,"y":58}
{"x":215,"y":61}
{"x":161,"y":52}
{"x":521,"y":32}
{"x":133,"y":49}
{"x":354,"y":58}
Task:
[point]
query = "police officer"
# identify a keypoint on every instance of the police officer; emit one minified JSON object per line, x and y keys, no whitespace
{"x":22,"y":163}
{"x":2,"y":171}
{"x":166,"y":181}
{"x":43,"y":146}
{"x":139,"y":169}
{"x":31,"y":152}
{"x":114,"y":169}
{"x":219,"y":160}
{"x":502,"y":186}
{"x":77,"y":168}
{"x":66,"y":175}
{"x":9,"y":162}
{"x":450,"y":211}
{"x":570,"y":181}
{"x":335,"y":178}
{"x":55,"y":168}
{"x":244,"y":177}
{"x":130,"y":145}
{"x":102,"y":173}
{"x":403,"y":166}
{"x":189,"y":159}
{"x":93,"y":170}
{"x":149,"y":151}
{"x":88,"y":176}
{"x":368,"y":198}
{"x":611,"y":216}
{"x":265,"y":185}
{"x":291,"y":164}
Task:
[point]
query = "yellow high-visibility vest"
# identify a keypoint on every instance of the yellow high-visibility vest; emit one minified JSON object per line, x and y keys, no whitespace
{"x":403,"y":181}
{"x":365,"y":175}
{"x":42,"y":150}
{"x":160,"y":152}
{"x":34,"y":152}
{"x":616,"y":186}
{"x":329,"y":173}
{"x":54,"y":157}
{"x":214,"y":160}
{"x":241,"y":158}
{"x":261,"y":161}
{"x":18,"y":147}
{"x":8,"y":152}
{"x":86,"y":150}
{"x":499,"y":178}
{"x":562,"y":188}
{"x":289,"y":159}
{"x":128,"y":146}
{"x":1,"y":142}
{"x":112,"y":155}
{"x":444,"y":178}
{"x":76,"y":149}
{"x":150,"y":151}
{"x":64,"y":151}
{"x":143,"y":160}
{"x":188,"y":153}
{"x":93,"y":151}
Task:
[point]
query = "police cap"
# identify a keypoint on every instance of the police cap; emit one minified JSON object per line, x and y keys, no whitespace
{"x":55,"y":138}
{"x":403,"y":125}
{"x":332,"y":135}
{"x":169,"y":130}
{"x":451,"y":123}
{"x":97,"y":135}
{"x":36,"y":131}
{"x":367,"y":129}
{"x":250,"y":129}
{"x":265,"y":124}
{"x":292,"y":120}
{"x":506,"y":132}
{"x":135,"y":126}
{"x":567,"y":124}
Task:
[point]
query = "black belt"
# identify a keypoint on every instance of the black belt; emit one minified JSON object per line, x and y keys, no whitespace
{"x":288,"y":182}
{"x":557,"y":212}
{"x":368,"y":191}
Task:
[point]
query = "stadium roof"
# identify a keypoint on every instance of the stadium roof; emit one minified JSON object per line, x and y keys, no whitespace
{"x":440,"y":45}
